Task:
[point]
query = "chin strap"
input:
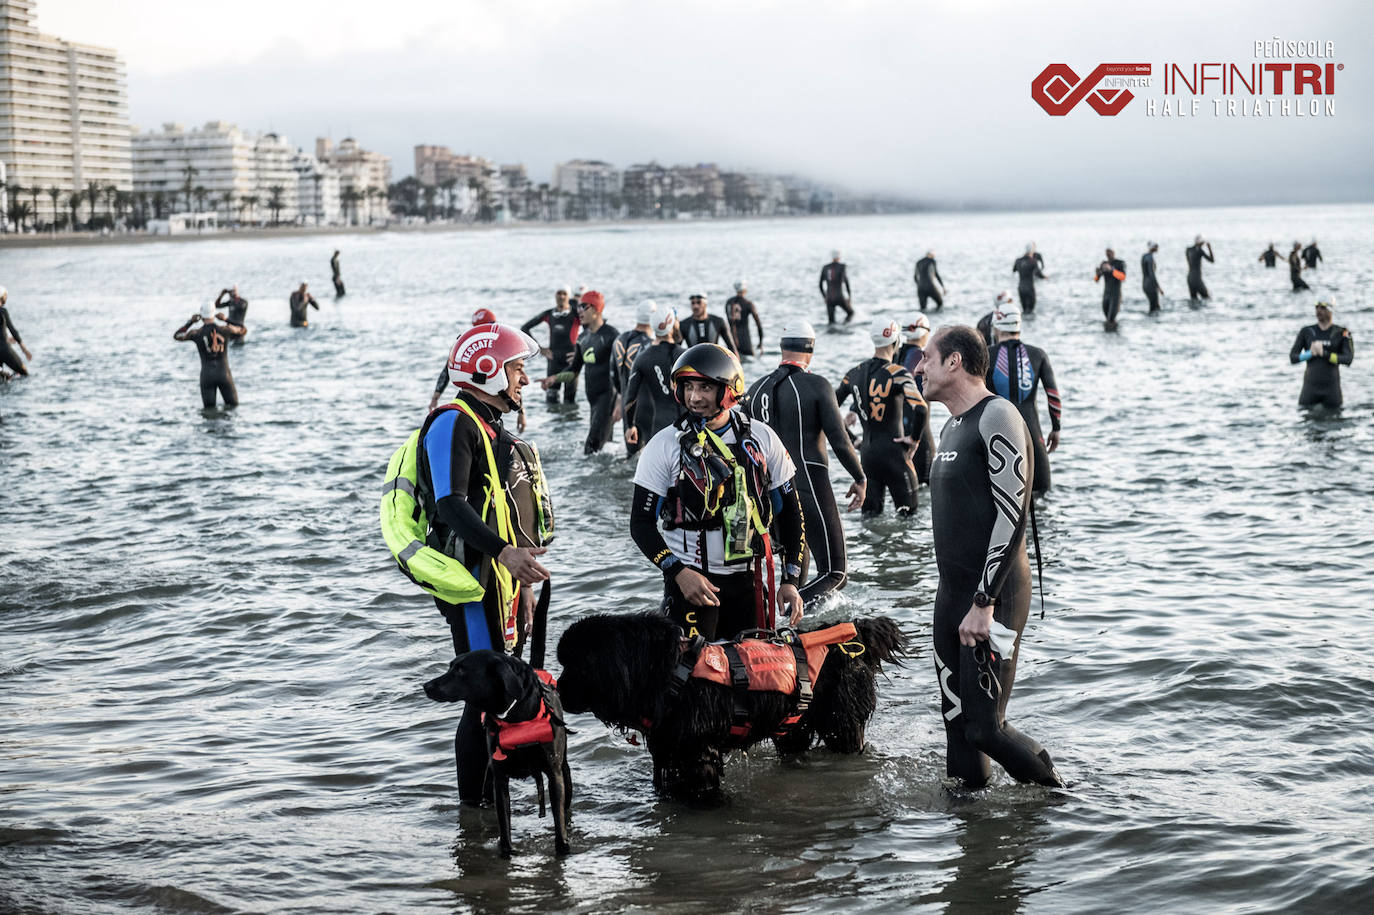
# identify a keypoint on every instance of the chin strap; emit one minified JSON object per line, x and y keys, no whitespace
{"x":512,"y":405}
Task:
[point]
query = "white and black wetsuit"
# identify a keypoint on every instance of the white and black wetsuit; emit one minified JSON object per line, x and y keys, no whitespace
{"x":980,"y":500}
{"x":1111,"y":288}
{"x":649,"y":404}
{"x":1014,"y":370}
{"x":1295,"y":270}
{"x":1321,"y":382}
{"x":710,"y":329}
{"x":739,"y":312}
{"x":926,"y":277}
{"x":212,"y":343}
{"x":1027,"y":267}
{"x":1197,"y":289}
{"x":627,"y":348}
{"x":834,"y":286}
{"x":594,"y":352}
{"x":885,"y":394}
{"x":801,"y":408}
{"x":563,"y":330}
{"x":1148,"y":281}
{"x":7,"y":354}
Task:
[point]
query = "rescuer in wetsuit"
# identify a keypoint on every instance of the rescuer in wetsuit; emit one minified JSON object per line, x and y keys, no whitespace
{"x":649,"y":404}
{"x":1311,"y":255}
{"x":563,"y":328}
{"x":1014,"y":369}
{"x":885,"y":394}
{"x":801,"y":408}
{"x":1027,"y":267}
{"x":703,"y":327}
{"x":834,"y":286}
{"x":980,"y":502}
{"x":7,"y":354}
{"x":212,"y":343}
{"x":917,"y":332}
{"x":716,"y":563}
{"x":1295,"y":268}
{"x":338,"y":277}
{"x":1200,"y":249}
{"x":1270,"y":256}
{"x":595,"y":351}
{"x":299,"y":302}
{"x":929,"y":285}
{"x":627,"y":348}
{"x":738,"y":311}
{"x":1111,"y":272}
{"x":236,"y":309}
{"x":1325,"y":347}
{"x":1148,"y":280}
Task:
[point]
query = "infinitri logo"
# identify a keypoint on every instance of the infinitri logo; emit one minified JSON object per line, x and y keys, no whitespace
{"x":1058,"y":89}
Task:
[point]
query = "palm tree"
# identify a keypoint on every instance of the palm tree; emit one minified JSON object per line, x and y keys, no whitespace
{"x":449,"y":185}
{"x":227,"y":198}
{"x":74,"y":201}
{"x":249,"y":203}
{"x":122,"y":200}
{"x":274,"y":201}
{"x":159,"y":202}
{"x":200,"y":193}
{"x":429,"y":202}
{"x":93,"y":196}
{"x":19,"y":212}
{"x":187,"y":188}
{"x":318,"y":178}
{"x":33,"y":195}
{"x":55,"y":193}
{"x":141,"y":205}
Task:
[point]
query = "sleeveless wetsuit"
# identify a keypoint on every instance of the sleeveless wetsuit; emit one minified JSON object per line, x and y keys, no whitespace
{"x":212,"y":343}
{"x":595,"y":351}
{"x":1295,"y":271}
{"x":1111,"y":289}
{"x":563,"y":329}
{"x":834,"y":286}
{"x":885,"y":393}
{"x":1321,"y":382}
{"x":979,"y":508}
{"x":710,"y":329}
{"x":801,"y":408}
{"x":1014,"y":369}
{"x":7,"y":354}
{"x":926,"y":276}
{"x":649,"y":402}
{"x":739,"y":311}
{"x":1148,"y":281}
{"x":1196,"y":288}
{"x":1270,"y":257}
{"x":1027,"y":268}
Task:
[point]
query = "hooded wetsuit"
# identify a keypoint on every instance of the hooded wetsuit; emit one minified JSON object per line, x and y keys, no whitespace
{"x":1196,"y":288}
{"x":1270,"y":257}
{"x":563,"y":329}
{"x":1017,"y":384}
{"x":979,"y":508}
{"x":1111,"y":288}
{"x":710,"y":329}
{"x":834,"y":286}
{"x":1027,"y":268}
{"x":299,"y":303}
{"x":7,"y":354}
{"x":212,"y":343}
{"x":801,"y":408}
{"x":1295,"y":270}
{"x":1310,"y":255}
{"x":596,"y":352}
{"x":926,"y":276}
{"x":1148,"y":281}
{"x":885,"y":394}
{"x":1321,"y":382}
{"x":739,"y":312}
{"x":649,"y":404}
{"x":627,"y":348}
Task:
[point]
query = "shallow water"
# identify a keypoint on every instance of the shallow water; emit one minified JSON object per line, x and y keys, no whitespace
{"x":210,"y":667}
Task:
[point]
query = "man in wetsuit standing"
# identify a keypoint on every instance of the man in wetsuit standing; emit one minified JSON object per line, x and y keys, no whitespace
{"x":1311,"y":255}
{"x":1200,"y":249}
{"x":980,"y":502}
{"x":917,"y":334}
{"x":890,"y":406}
{"x":801,"y":408}
{"x":738,"y":311}
{"x":1295,"y":268}
{"x":595,"y":351}
{"x":338,"y":277}
{"x":649,"y":404}
{"x":211,"y":340}
{"x":7,"y":331}
{"x":1270,"y":256}
{"x":929,"y":285}
{"x":1325,"y":347}
{"x":299,"y":302}
{"x":1111,"y":272}
{"x":1027,"y":267}
{"x":1014,"y":370}
{"x":834,"y":285}
{"x":627,"y":348}
{"x":563,"y":327}
{"x":1148,"y":280}
{"x":236,"y":308}
{"x":703,"y":327}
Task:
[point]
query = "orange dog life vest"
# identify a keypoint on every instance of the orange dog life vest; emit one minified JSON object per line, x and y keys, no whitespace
{"x":772,"y":667}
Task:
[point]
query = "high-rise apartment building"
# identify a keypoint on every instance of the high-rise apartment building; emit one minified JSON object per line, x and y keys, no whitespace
{"x":64,"y":118}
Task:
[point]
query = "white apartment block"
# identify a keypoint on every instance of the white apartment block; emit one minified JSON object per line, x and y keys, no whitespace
{"x":318,"y":188}
{"x":364,"y":177}
{"x":592,"y":185}
{"x":64,"y":118}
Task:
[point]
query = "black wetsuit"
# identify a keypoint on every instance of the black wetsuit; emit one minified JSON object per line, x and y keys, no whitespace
{"x":1027,"y":268}
{"x":596,"y":353}
{"x":1148,"y":281}
{"x":984,"y":328}
{"x":1321,"y":382}
{"x":1111,"y":288}
{"x":299,"y":304}
{"x":885,"y":394}
{"x":979,"y":508}
{"x":649,"y":404}
{"x":1032,"y":368}
{"x":338,"y":277}
{"x":452,"y":475}
{"x":908,"y":357}
{"x":1311,"y":255}
{"x":834,"y":286}
{"x":1196,"y":288}
{"x":1295,"y":271}
{"x":236,"y":310}
{"x":212,"y":343}
{"x":627,"y":348}
{"x":926,"y":276}
{"x":1270,"y":257}
{"x":710,"y":329}
{"x":739,"y":311}
{"x":7,"y":354}
{"x":801,"y":408}
{"x":563,"y":329}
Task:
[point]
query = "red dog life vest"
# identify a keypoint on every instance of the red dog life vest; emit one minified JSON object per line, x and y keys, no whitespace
{"x":512,"y":735}
{"x":772,"y":667}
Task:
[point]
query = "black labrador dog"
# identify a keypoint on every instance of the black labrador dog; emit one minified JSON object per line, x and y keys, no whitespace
{"x":621,"y":668}
{"x":526,"y":736}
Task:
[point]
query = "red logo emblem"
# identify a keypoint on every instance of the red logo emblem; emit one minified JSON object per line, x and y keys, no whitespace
{"x":1058,"y":89}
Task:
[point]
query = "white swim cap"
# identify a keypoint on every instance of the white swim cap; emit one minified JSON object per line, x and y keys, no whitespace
{"x":3,"y":292}
{"x":667,"y":319}
{"x":1197,"y":239}
{"x":563,"y":289}
{"x":797,"y":329}
{"x":835,"y":254}
{"x":741,"y":285}
{"x":885,"y":332}
{"x":581,"y":290}
{"x":1326,"y":302}
{"x":646,"y":311}
{"x":207,"y":311}
{"x":917,"y":324}
{"x":1007,"y":317}
{"x":1030,"y":248}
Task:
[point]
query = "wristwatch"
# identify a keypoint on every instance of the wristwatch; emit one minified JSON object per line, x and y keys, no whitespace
{"x":980,"y":599}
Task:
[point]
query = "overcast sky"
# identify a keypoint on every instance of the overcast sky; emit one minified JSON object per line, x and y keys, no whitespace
{"x":930,"y":100}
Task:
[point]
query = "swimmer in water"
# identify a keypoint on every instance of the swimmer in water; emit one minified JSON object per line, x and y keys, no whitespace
{"x":834,"y":286}
{"x":300,"y":300}
{"x":211,"y":340}
{"x":1027,"y":267}
{"x":1199,"y":251}
{"x":1324,"y":347}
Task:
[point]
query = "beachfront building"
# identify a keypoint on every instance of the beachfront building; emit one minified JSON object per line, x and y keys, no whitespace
{"x":590,"y":189}
{"x":64,"y":121}
{"x":317,"y":191}
{"x":364,"y":177}
{"x":474,"y":186}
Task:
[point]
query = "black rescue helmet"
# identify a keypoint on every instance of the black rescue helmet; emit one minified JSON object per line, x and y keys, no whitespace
{"x":711,"y":362}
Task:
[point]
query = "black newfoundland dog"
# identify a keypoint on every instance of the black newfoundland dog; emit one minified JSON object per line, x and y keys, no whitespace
{"x":621,"y":669}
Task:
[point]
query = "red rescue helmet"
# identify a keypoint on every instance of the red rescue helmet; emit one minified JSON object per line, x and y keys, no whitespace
{"x":478,"y":359}
{"x":592,"y":299}
{"x":710,"y":362}
{"x":483,"y":316}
